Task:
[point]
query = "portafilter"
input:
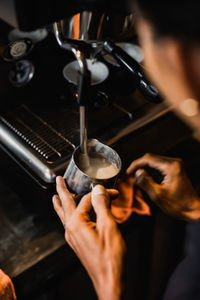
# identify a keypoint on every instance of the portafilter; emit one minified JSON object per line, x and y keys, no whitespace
{"x":94,"y":33}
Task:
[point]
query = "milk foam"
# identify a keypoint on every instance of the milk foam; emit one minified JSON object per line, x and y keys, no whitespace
{"x":100,"y":168}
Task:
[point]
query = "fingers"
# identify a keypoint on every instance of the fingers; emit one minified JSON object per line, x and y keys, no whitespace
{"x":65,"y":205}
{"x":153,"y":161}
{"x":100,"y":198}
{"x":101,"y":203}
{"x":145,"y":182}
{"x":113,"y":193}
{"x":65,"y":196}
{"x":85,"y":205}
{"x":58,"y":208}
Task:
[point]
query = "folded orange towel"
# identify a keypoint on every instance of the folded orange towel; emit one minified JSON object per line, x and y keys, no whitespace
{"x":7,"y":291}
{"x":129,"y":201}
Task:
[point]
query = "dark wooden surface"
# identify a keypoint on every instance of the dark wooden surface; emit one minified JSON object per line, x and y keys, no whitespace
{"x":32,"y":247}
{"x":25,"y":238}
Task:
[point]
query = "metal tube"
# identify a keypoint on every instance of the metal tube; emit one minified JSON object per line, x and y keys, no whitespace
{"x":68,"y":44}
{"x":83,"y":130}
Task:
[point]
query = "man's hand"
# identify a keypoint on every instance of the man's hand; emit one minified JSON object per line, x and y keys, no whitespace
{"x":175,"y":194}
{"x":99,"y":245}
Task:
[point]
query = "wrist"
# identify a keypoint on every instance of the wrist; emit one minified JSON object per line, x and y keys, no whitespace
{"x":193,"y":214}
{"x":111,"y":291}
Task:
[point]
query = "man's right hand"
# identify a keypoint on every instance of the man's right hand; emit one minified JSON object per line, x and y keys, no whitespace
{"x":175,"y":194}
{"x":98,"y":244}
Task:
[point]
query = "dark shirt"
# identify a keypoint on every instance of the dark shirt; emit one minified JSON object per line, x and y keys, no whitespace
{"x":184,"y":284}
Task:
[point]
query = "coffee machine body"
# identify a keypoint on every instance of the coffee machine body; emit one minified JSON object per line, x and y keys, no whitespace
{"x":31,"y":15}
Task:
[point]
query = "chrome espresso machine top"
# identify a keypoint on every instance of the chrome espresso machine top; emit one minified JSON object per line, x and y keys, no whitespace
{"x":42,"y":138}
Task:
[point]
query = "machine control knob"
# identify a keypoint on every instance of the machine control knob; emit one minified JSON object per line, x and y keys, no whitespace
{"x":17,"y":50}
{"x":21,"y":73}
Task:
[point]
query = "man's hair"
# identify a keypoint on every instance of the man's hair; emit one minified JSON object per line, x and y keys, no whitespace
{"x":179,"y":18}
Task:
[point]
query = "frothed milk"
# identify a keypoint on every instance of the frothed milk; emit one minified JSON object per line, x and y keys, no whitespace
{"x":100,"y":165}
{"x":99,"y":168}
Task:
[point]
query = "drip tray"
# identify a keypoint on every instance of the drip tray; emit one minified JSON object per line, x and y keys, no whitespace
{"x":42,"y":138}
{"x":38,"y":143}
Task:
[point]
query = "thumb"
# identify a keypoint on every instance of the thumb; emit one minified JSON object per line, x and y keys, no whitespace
{"x":101,"y":202}
{"x":145,"y":182}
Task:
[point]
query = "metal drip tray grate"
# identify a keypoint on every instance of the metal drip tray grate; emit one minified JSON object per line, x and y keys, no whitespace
{"x":37,"y":142}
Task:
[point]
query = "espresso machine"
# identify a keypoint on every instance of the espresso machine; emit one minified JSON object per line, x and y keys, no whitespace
{"x":39,"y":143}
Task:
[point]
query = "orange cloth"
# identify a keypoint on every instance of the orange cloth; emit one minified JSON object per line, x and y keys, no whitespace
{"x":7,"y":291}
{"x":129,"y":201}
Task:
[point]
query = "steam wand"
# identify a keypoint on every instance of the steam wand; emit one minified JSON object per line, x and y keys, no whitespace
{"x":84,"y":79}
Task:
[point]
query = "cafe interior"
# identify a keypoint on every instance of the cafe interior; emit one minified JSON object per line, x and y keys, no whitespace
{"x":70,"y":70}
